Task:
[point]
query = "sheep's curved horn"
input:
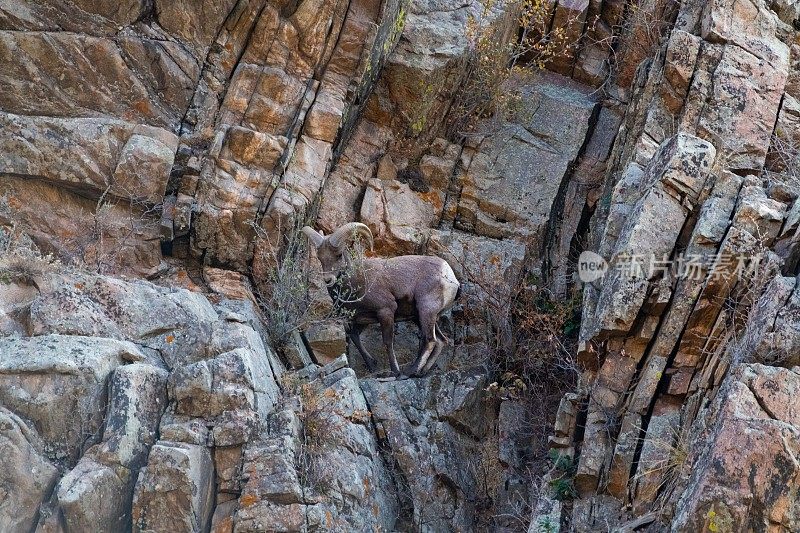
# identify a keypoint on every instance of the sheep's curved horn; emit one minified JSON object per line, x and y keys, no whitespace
{"x":339,"y":237}
{"x":313,"y":235}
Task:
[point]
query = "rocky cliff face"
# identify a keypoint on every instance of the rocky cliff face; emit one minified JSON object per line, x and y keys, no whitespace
{"x":172,"y":141}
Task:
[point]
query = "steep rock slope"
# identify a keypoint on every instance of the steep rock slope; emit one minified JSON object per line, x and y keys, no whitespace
{"x":668,"y":354}
{"x":157,"y":139}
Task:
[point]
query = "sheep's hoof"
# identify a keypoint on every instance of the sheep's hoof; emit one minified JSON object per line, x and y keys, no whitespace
{"x":390,"y":376}
{"x":420,"y":373}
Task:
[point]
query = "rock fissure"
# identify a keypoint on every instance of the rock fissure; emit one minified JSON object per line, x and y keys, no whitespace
{"x":657,"y":130}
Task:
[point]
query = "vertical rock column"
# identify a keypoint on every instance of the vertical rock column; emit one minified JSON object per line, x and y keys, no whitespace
{"x":682,"y":184}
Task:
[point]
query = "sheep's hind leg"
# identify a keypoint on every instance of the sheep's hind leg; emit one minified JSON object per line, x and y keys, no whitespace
{"x":428,"y":329}
{"x":355,"y":337}
{"x":441,"y":341}
{"x":434,"y":357}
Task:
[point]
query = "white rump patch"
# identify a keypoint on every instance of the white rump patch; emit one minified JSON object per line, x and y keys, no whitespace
{"x":449,"y":285}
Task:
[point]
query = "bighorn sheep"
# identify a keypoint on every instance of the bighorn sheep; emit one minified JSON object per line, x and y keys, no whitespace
{"x":408,"y":287}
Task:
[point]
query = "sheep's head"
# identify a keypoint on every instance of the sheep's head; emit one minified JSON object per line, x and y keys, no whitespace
{"x":332,"y":250}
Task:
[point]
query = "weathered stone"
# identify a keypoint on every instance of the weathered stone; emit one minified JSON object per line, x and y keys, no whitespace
{"x":193,"y":388}
{"x":295,"y":352}
{"x":745,"y":474}
{"x":129,"y":161}
{"x":229,"y":283}
{"x":280,"y":108}
{"x":749,"y":25}
{"x":387,"y":170}
{"x":675,"y":175}
{"x":137,"y":397}
{"x":327,"y":341}
{"x":15,"y":302}
{"x":222,"y":521}
{"x":228,"y":467}
{"x":662,"y":451}
{"x":434,"y":37}
{"x":95,"y":497}
{"x":437,"y":169}
{"x":325,"y":116}
{"x":341,"y":196}
{"x":176,"y":322}
{"x":112,"y":237}
{"x":243,"y":329}
{"x":195,"y":23}
{"x":570,"y":17}
{"x":26,"y":477}
{"x":770,"y":335}
{"x":624,"y":450}
{"x":433,"y":464}
{"x":59,"y":383}
{"x":317,"y":458}
{"x":397,"y":216}
{"x":509,"y":189}
{"x":746,"y":93}
{"x":75,"y":73}
{"x":180,"y":428}
{"x":175,"y":491}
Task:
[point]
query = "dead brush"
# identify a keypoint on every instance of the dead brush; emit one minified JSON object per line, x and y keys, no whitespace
{"x":284,"y":289}
{"x":21,"y":262}
{"x":508,"y":41}
{"x":322,"y":428}
{"x":660,"y":473}
{"x":500,"y":62}
{"x":783,"y":159}
{"x":531,"y":340}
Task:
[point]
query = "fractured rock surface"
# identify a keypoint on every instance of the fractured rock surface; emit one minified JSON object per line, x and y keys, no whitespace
{"x":141,"y":137}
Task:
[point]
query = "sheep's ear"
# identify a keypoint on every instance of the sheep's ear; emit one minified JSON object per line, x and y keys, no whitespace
{"x":313,"y":235}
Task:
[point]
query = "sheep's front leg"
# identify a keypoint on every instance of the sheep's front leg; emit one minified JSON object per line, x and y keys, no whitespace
{"x":354,"y":333}
{"x":386,"y":320}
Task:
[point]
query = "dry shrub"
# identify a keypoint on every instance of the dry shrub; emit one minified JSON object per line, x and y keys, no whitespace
{"x":529,"y":331}
{"x":783,"y":159}
{"x":645,"y":25}
{"x":322,"y":429}
{"x":530,"y":346}
{"x":285,"y":289}
{"x":21,"y":261}
{"x":670,"y":454}
{"x":487,"y":471}
{"x":508,"y":41}
{"x":108,"y":234}
{"x":500,"y":62}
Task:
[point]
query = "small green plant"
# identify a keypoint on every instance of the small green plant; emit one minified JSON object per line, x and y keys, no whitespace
{"x":563,"y":489}
{"x":564,"y":466}
{"x":546,"y":525}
